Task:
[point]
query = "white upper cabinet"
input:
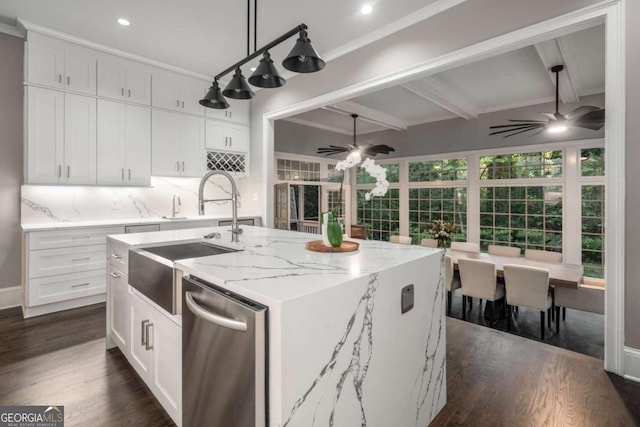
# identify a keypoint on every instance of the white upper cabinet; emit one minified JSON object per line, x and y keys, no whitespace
{"x":238,"y":112}
{"x":61,"y":138}
{"x":125,"y":80}
{"x":58,"y":64}
{"x":124,"y":144}
{"x":223,"y":136}
{"x":179,"y":93}
{"x":177,"y":145}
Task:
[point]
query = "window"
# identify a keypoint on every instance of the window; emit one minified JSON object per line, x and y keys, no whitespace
{"x":333,"y":174}
{"x":393,"y":174}
{"x":593,"y":230}
{"x":381,"y":215}
{"x":438,"y":170}
{"x":332,"y":201}
{"x":592,"y":161}
{"x":430,"y":204}
{"x":525,"y":217}
{"x":297,"y":170}
{"x":539,"y":164}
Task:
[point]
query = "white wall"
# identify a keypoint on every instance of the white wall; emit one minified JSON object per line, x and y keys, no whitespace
{"x":11,"y":101}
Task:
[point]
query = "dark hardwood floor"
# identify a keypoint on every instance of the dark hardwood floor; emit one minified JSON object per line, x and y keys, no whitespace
{"x":493,"y":378}
{"x":580,"y":331}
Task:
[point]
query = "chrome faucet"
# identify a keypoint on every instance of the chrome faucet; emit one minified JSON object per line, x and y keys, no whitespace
{"x":235,"y":229}
{"x":175,"y":211}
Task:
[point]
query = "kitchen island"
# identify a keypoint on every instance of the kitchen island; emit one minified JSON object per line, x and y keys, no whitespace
{"x":341,"y":352}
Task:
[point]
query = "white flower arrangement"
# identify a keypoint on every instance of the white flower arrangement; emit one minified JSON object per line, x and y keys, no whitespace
{"x":376,"y":171}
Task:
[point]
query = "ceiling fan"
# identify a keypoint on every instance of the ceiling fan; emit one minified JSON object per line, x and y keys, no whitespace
{"x":365,"y":150}
{"x":585,"y":116}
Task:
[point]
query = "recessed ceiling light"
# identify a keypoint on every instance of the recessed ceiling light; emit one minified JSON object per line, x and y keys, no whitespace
{"x":253,"y":68}
{"x":124,"y":22}
{"x":366,"y":9}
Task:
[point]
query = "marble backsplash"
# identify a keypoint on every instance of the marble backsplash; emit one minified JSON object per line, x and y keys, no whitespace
{"x":47,"y":203}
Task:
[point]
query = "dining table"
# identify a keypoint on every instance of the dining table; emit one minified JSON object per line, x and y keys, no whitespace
{"x":560,"y":274}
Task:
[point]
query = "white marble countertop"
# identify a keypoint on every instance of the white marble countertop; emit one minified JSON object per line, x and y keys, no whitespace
{"x":124,"y":222}
{"x":273,"y":266}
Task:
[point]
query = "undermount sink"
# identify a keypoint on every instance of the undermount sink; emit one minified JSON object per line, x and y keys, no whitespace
{"x":174,"y":218}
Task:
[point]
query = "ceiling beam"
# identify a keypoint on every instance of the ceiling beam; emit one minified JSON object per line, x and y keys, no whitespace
{"x":317,"y":125}
{"x":442,"y":95}
{"x":368,"y":115}
{"x":551,"y":54}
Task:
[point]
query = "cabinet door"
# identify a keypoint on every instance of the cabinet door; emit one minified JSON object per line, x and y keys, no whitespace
{"x":238,"y":138}
{"x":216,"y":138}
{"x":239,"y":111}
{"x":45,"y":136}
{"x":138,"y":87}
{"x":140,"y":355}
{"x":165,"y":90}
{"x":111,"y":77}
{"x":111,"y":143}
{"x":192,"y":91}
{"x":45,"y":61}
{"x":192,"y":158}
{"x":118,"y":291}
{"x":167,"y":364}
{"x":79,"y":139}
{"x":80,"y":69}
{"x":165,"y":150}
{"x":138,"y":145}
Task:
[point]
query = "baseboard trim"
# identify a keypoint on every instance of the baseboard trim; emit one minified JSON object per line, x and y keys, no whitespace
{"x":39,"y":310}
{"x":632,"y":364}
{"x":10,"y":297}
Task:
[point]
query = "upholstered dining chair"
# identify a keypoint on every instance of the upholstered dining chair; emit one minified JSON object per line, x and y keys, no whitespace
{"x":508,"y":251}
{"x":588,"y":296}
{"x":544,"y":256}
{"x":403,"y":240}
{"x":465,"y":246}
{"x":429,"y":243}
{"x":528,"y":287}
{"x":450,"y":281}
{"x":478,"y":280}
{"x":358,"y":231}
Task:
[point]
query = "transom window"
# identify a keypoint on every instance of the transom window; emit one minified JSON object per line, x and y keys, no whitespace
{"x":393,"y":174}
{"x":539,"y":164}
{"x":438,"y":170}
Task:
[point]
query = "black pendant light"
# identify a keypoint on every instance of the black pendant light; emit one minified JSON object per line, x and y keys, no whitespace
{"x":303,"y":58}
{"x":266,"y":74}
{"x":214,"y":99}
{"x":238,"y":88}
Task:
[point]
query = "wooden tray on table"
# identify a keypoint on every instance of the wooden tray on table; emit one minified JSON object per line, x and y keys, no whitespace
{"x":318,"y":246}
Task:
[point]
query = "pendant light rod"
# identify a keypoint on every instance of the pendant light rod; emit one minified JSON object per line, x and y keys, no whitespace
{"x":355,"y":116}
{"x":285,"y":36}
{"x":556,"y":69}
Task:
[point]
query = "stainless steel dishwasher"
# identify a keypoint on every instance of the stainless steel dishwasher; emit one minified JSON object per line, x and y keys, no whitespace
{"x":224,"y":358}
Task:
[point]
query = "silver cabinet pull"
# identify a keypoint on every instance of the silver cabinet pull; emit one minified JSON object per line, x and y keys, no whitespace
{"x":81,"y":284}
{"x":182,"y":104}
{"x":149,"y":343}
{"x":177,"y":102}
{"x":143,"y":333}
{"x":122,"y":91}
{"x":230,"y":114}
{"x":68,"y":171}
{"x":178,"y":165}
{"x":129,"y":91}
{"x":59,"y":78}
{"x":183,"y":166}
{"x":59,"y":171}
{"x":129,"y":174}
{"x":115,"y":256}
{"x":114,"y":275}
{"x":226,"y":139}
{"x":122,"y":174}
{"x":226,"y":113}
{"x":80,"y":259}
{"x":230,"y":141}
{"x":68,"y":80}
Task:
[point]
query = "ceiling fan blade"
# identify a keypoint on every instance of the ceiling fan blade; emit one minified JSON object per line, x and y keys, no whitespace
{"x":380,"y":149}
{"x":522,"y":128}
{"x":550,"y":116}
{"x":516,"y":125}
{"x":593,"y":120}
{"x":529,"y":121}
{"x":522,"y":131}
{"x":581,"y":110}
{"x":538,"y":132}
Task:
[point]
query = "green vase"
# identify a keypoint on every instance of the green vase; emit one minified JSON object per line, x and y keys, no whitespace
{"x":334,"y":232}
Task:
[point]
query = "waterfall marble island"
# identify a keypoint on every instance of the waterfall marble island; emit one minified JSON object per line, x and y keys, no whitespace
{"x":353,"y":338}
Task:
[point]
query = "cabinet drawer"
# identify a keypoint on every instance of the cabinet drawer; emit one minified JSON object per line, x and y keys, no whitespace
{"x":68,"y":238}
{"x":46,"y":290}
{"x":50,"y":262}
{"x":118,"y":256}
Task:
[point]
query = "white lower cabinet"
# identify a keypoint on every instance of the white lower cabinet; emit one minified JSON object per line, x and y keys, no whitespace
{"x":118,"y":306}
{"x":156,"y":353}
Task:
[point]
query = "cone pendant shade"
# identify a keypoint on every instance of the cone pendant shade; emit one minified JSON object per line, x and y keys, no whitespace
{"x":214,"y":99}
{"x":266,"y":75}
{"x":238,"y":88}
{"x":303,"y":58}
